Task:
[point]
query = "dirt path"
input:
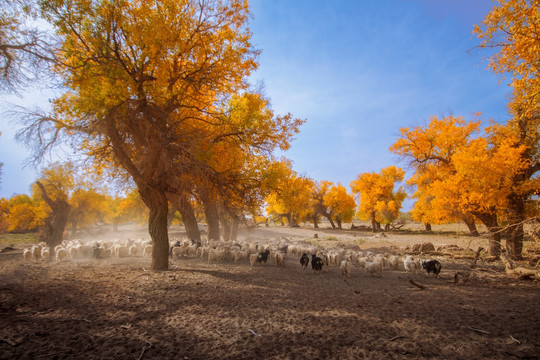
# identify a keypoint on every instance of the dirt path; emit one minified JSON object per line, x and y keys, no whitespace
{"x":116,"y":309}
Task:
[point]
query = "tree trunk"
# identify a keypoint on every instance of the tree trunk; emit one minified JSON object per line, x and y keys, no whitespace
{"x":157,"y":227}
{"x":468,"y":219}
{"x":74,"y":229}
{"x":226,"y":228}
{"x":234,"y":229}
{"x":427,"y":226}
{"x":315,"y":221}
{"x":490,"y":221}
{"x":338,"y":221}
{"x":292,"y":221}
{"x":515,"y":232}
{"x":212,"y":218}
{"x":182,"y":203}
{"x":58,"y":220}
{"x":374,"y":224}
{"x":329,"y":217}
{"x":170,"y":216}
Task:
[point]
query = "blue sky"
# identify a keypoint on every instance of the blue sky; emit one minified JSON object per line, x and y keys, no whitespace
{"x":357,"y":71}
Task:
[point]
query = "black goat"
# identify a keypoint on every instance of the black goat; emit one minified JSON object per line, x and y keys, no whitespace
{"x":432,"y":266}
{"x":304,"y":261}
{"x":316,"y":264}
{"x":263,"y":256}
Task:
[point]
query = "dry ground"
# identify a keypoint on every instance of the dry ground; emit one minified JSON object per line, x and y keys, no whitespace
{"x":117,"y":309}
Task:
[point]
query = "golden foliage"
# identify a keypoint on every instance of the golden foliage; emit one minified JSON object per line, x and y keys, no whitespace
{"x":340,"y":203}
{"x":457,"y":170}
{"x":377,"y":200}
{"x":292,"y":196}
{"x":513,"y":27}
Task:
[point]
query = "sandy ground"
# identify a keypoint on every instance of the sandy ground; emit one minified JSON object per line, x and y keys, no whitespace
{"x":117,"y":309}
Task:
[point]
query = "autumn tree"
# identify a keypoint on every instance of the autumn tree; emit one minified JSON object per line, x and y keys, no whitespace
{"x":291,"y":197}
{"x":241,"y":153}
{"x":143,"y":80}
{"x":320,"y":208}
{"x":53,"y":187}
{"x":429,"y":150}
{"x":340,"y":204}
{"x":377,"y":199}
{"x":512,"y":29}
{"x":87,"y":208}
{"x":463,"y":169}
{"x":21,"y":214}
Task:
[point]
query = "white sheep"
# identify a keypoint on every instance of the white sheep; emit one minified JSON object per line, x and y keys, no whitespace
{"x":280,"y":259}
{"x":61,"y":254}
{"x":410,"y":264}
{"x":133,"y":250}
{"x":192,"y":250}
{"x":36,"y":252}
{"x":147,"y":251}
{"x":361,"y":261}
{"x":178,"y":251}
{"x":393,"y":262}
{"x":373,"y":268}
{"x":27,"y":254}
{"x":241,"y":255}
{"x":253,"y":259}
{"x":73,"y":251}
{"x":346,"y":268}
{"x":45,"y":252}
{"x":382,"y":260}
{"x":215,"y":254}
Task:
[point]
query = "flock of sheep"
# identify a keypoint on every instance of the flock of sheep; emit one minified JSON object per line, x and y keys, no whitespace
{"x":243,"y":251}
{"x":78,"y":249}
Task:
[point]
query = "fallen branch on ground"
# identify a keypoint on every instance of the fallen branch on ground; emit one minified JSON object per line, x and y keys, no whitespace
{"x":397,"y":337}
{"x":253,"y":332}
{"x":478,"y":330}
{"x":420,"y":286}
{"x":515,"y":340}
{"x":512,"y":269}
{"x":146,"y":347}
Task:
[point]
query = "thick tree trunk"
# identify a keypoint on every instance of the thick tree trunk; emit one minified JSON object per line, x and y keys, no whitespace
{"x":515,"y":232}
{"x":58,"y":220}
{"x":190,"y":223}
{"x":234,"y":228}
{"x":315,"y":221}
{"x":226,"y":228}
{"x":490,"y":221}
{"x":182,"y":203}
{"x":468,"y":219}
{"x":292,"y":221}
{"x":338,"y":221}
{"x":212,"y":218}
{"x":427,"y":226}
{"x":157,"y":227}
